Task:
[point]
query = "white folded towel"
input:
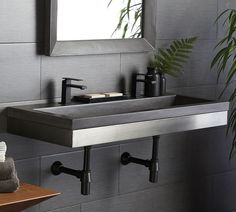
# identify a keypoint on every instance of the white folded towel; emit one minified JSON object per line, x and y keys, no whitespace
{"x":3,"y":146}
{"x":3,"y":149}
{"x":2,"y":159}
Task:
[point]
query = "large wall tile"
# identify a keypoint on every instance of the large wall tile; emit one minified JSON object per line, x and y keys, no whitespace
{"x":177,"y":198}
{"x":186,"y":4}
{"x":198,"y":69}
{"x":224,"y":94}
{"x":205,"y":92}
{"x":209,"y":152}
{"x":224,"y":191}
{"x":132,"y":64}
{"x":75,"y":208}
{"x":177,"y":19}
{"x":22,"y":148}
{"x":20,"y":72}
{"x":29,"y":172}
{"x":104,"y":167}
{"x":19,"y":21}
{"x":101,"y":73}
{"x":174,"y":157}
{"x":223,"y":5}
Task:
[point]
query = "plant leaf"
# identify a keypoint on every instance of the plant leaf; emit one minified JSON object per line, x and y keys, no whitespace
{"x":171,"y":60}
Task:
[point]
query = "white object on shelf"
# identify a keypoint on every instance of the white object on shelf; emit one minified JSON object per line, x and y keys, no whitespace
{"x":3,"y":149}
{"x":94,"y":96}
{"x":113,"y":94}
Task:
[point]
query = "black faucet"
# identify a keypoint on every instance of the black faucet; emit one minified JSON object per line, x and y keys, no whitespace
{"x":66,"y":89}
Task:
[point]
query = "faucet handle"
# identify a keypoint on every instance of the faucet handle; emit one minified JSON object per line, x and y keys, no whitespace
{"x":69,"y":78}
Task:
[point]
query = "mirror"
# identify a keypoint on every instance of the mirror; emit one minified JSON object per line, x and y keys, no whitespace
{"x":105,"y":19}
{"x":82,"y":27}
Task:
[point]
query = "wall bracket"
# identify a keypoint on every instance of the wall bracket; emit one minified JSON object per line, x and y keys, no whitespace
{"x":152,"y":164}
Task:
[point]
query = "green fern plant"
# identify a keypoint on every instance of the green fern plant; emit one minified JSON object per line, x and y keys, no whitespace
{"x":225,"y":63}
{"x":170,"y":60}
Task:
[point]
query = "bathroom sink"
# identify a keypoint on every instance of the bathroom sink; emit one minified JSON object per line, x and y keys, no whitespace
{"x":89,"y":124}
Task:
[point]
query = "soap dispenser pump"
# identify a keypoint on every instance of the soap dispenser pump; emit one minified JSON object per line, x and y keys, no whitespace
{"x":151,"y":82}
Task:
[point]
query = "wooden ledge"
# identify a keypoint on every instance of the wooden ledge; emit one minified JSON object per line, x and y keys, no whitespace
{"x":26,"y":196}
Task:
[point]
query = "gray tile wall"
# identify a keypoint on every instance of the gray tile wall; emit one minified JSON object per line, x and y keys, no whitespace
{"x":195,"y":173}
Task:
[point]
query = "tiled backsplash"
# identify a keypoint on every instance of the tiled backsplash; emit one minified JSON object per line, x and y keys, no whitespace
{"x":195,"y":174}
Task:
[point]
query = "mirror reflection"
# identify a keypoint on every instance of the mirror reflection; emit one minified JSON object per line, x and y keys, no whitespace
{"x":98,"y":20}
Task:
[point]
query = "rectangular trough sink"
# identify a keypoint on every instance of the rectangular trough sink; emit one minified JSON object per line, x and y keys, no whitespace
{"x":97,"y":123}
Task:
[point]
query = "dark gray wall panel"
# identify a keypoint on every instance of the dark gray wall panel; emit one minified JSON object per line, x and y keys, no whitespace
{"x":173,"y":19}
{"x":210,"y":151}
{"x":20,"y":72}
{"x":226,"y":95}
{"x":132,"y":64}
{"x":104,"y":167}
{"x":68,"y":209}
{"x":29,"y":171}
{"x":101,"y":73}
{"x":18,"y":20}
{"x":177,"y":198}
{"x":198,"y":69}
{"x":224,"y":191}
{"x":205,"y":92}
{"x":22,"y":148}
{"x":174,"y":157}
{"x":223,"y":5}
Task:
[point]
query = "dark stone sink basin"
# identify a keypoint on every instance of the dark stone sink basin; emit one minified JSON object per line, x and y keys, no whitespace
{"x":96,"y":123}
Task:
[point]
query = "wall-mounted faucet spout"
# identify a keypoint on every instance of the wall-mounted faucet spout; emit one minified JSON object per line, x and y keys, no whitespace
{"x":152,"y":164}
{"x":84,"y":175}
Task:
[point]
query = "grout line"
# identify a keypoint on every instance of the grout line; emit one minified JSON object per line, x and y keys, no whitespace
{"x":201,"y":39}
{"x":7,"y":43}
{"x":217,"y":24}
{"x":120,"y":65}
{"x":156,"y":26}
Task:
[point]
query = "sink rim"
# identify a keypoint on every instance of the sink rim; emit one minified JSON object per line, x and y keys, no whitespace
{"x":35,"y":114}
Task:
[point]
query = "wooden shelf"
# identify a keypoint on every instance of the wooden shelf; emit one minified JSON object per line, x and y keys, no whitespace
{"x":26,"y":196}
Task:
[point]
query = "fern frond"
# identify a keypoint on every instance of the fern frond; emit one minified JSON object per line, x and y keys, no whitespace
{"x":170,"y":60}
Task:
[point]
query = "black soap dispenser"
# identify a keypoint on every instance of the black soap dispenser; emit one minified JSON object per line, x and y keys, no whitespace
{"x":151,"y":82}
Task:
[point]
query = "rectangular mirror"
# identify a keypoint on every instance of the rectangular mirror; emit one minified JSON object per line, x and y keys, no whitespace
{"x":83,"y":27}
